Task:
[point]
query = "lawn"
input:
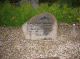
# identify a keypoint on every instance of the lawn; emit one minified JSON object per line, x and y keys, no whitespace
{"x":11,"y":15}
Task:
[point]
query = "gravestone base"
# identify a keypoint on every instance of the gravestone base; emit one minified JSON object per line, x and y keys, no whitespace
{"x":41,"y":27}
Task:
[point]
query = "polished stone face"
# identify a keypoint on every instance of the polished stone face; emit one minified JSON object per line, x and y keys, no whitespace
{"x":43,"y":26}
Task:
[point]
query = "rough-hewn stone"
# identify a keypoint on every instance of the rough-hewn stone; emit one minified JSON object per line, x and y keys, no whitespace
{"x":43,"y":26}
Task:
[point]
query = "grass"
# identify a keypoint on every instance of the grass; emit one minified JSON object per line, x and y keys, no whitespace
{"x":16,"y":16}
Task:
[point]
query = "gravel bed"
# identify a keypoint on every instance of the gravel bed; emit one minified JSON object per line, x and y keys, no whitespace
{"x":13,"y":45}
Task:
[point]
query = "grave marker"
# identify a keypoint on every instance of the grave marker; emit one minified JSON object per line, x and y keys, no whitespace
{"x":43,"y":26}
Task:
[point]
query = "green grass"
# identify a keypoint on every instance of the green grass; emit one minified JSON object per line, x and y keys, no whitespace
{"x":16,"y":16}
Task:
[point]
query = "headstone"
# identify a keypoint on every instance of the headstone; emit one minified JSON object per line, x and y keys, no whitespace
{"x":35,"y":3}
{"x":43,"y":26}
{"x":74,"y":33}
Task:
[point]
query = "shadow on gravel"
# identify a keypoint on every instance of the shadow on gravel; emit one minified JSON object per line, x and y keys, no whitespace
{"x":49,"y":58}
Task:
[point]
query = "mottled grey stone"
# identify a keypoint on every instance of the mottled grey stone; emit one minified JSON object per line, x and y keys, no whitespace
{"x":43,"y":26}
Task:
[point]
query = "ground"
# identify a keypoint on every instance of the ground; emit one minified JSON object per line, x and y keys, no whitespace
{"x":13,"y":44}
